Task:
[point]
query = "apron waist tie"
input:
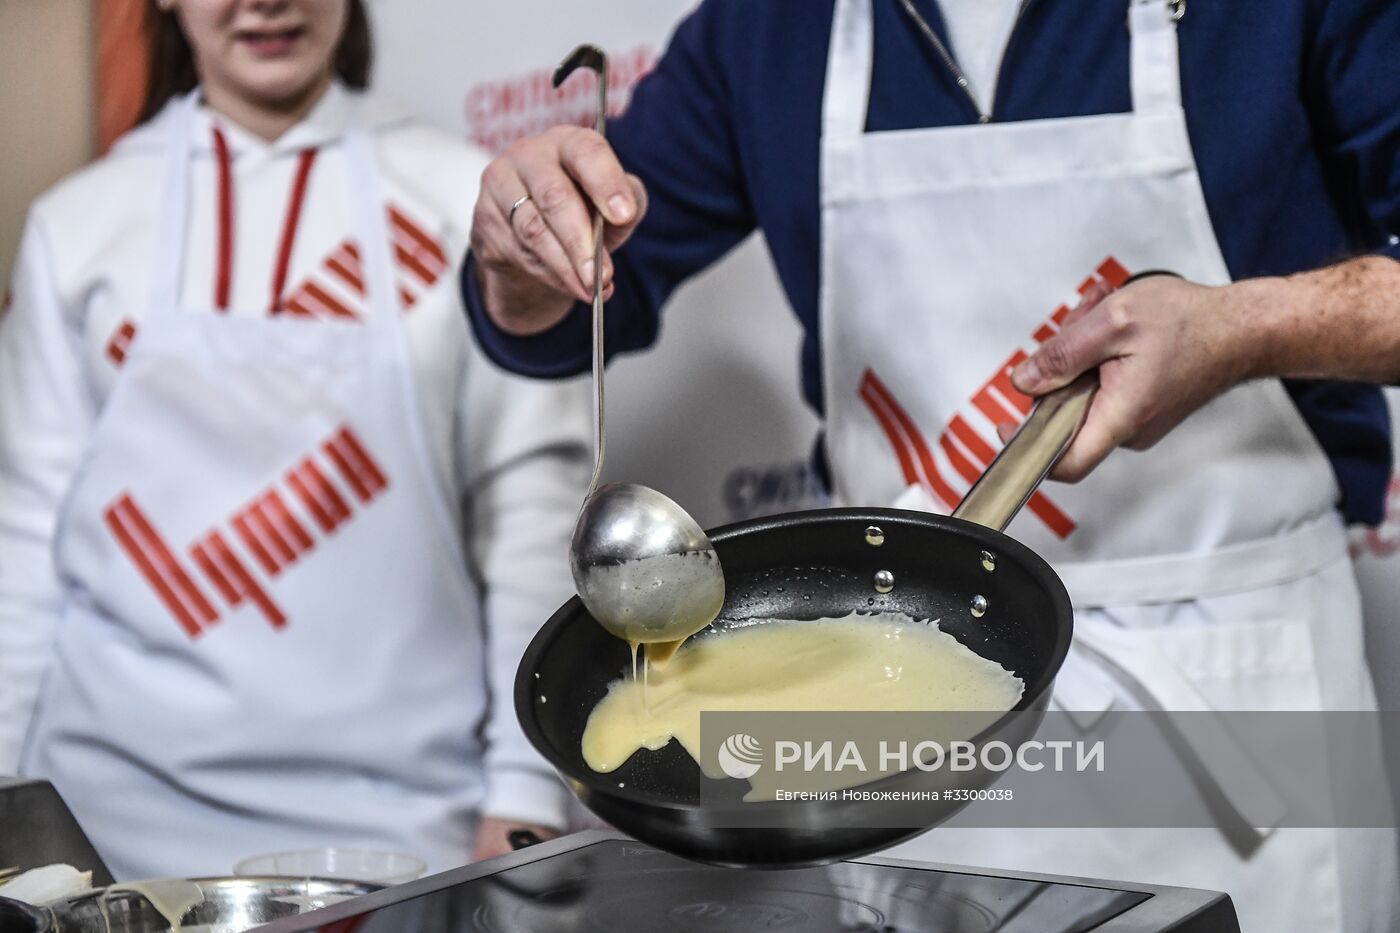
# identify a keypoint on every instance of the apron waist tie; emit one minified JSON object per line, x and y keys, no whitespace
{"x":1248,"y":805}
{"x":1304,"y":550}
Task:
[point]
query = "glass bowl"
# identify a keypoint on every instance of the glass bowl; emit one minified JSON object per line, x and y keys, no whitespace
{"x":225,"y":905}
{"x":369,"y":865}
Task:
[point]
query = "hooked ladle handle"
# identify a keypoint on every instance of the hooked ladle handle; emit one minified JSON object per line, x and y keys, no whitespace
{"x":1029,"y":456}
{"x":590,"y":56}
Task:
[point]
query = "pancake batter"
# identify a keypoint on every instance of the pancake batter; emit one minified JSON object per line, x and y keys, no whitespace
{"x":885,"y":662}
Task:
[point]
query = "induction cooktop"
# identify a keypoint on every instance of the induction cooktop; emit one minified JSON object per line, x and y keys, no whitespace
{"x":604,"y":882}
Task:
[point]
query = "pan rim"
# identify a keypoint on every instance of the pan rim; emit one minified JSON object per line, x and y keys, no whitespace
{"x":1029,"y":703}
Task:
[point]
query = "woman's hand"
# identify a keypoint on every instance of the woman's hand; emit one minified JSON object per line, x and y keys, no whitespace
{"x":1164,"y":347}
{"x":532,"y":267}
{"x":493,"y":836}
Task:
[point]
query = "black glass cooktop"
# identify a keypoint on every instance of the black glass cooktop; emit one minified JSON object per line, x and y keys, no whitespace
{"x":611,"y":884}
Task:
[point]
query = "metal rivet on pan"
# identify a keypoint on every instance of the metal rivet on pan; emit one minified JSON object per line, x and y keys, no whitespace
{"x":979,"y":606}
{"x":874,"y":536}
{"x":884,"y":581}
{"x":989,"y":561}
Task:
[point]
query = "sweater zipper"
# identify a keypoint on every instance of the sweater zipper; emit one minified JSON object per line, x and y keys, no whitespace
{"x":952,"y":64}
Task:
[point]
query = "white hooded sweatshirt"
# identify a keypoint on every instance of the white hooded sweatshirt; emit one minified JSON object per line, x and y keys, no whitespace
{"x":164,"y":658}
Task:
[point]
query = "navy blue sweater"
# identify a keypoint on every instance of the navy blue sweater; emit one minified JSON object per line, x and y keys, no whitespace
{"x":1293,"y":108}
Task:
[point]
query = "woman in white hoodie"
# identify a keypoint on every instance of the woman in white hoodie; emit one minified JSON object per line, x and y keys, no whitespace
{"x":272,"y":533}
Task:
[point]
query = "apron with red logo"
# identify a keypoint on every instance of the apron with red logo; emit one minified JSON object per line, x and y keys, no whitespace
{"x":270,"y":638}
{"x":948,"y":255}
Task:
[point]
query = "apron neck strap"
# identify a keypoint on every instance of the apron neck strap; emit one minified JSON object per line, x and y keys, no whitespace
{"x":367,"y":205}
{"x":1156,"y":63}
{"x":1155,"y":67}
{"x":170,"y":235}
{"x":850,"y":61}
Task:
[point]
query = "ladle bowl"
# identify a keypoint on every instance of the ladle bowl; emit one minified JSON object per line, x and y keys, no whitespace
{"x":644,"y":569}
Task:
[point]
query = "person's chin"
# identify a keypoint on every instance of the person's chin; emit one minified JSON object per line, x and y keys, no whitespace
{"x":281,"y":88}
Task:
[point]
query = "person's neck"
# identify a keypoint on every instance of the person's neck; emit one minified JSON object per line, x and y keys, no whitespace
{"x":267,"y":121}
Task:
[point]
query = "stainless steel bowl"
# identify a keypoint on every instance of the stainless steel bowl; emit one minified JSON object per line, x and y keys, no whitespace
{"x":198,"y":905}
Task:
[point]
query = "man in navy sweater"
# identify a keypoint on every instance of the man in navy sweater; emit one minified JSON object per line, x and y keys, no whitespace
{"x":958,"y":197}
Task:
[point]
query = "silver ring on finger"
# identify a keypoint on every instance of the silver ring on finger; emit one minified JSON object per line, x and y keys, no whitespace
{"x":520,"y":201}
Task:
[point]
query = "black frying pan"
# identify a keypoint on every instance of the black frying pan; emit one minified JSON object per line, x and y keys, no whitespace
{"x":806,"y":566}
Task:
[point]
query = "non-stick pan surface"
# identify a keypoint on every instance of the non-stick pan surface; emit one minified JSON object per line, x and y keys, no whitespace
{"x":803,"y":566}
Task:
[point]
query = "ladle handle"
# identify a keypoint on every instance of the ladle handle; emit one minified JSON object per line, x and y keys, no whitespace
{"x":590,"y":56}
{"x":598,"y":435}
{"x":1026,"y":459}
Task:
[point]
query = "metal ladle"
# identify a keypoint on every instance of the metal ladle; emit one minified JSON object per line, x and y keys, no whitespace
{"x":644,"y":569}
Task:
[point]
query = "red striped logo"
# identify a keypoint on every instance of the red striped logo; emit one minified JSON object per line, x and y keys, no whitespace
{"x":162,"y":570}
{"x":232,"y":579}
{"x":1113,"y":272}
{"x":413,"y":262}
{"x":271,"y":534}
{"x":335,"y":290}
{"x":296,"y":307}
{"x":344,"y":264}
{"x":906,"y":439}
{"x":316,"y":301}
{"x":997,"y":401}
{"x":267,"y":528}
{"x":316,"y":493}
{"x":427,"y":251}
{"x":120,"y":343}
{"x":355,"y":464}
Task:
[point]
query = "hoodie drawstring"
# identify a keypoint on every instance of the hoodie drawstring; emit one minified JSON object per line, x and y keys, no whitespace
{"x":222,"y":278}
{"x":224,"y":275}
{"x":289,"y":227}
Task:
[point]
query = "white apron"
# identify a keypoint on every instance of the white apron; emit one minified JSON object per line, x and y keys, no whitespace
{"x":1209,"y":572}
{"x":270,"y":638}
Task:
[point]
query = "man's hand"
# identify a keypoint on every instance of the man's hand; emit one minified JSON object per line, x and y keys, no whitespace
{"x":493,"y":836}
{"x":1164,"y":347}
{"x":533,"y":266}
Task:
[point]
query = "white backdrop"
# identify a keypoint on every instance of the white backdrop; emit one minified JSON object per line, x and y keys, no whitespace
{"x":712,"y":416}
